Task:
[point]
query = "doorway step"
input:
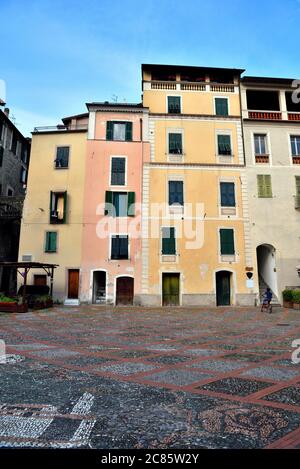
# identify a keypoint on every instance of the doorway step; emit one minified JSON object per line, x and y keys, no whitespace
{"x":262,"y":288}
{"x":71,"y":302}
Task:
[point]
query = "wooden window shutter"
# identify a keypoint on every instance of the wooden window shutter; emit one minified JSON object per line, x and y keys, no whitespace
{"x":168,"y":241}
{"x":128,"y":132}
{"x":264,"y":185}
{"x":131,"y":204}
{"x":109,"y":130}
{"x":65,"y":206}
{"x":108,"y":209}
{"x":297,"y":185}
{"x":227,"y":241}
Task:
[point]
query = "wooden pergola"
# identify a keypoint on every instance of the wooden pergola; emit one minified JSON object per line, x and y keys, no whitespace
{"x":24,"y":267}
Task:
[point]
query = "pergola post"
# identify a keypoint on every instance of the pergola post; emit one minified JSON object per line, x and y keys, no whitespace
{"x":51,"y":282}
{"x":24,"y":285}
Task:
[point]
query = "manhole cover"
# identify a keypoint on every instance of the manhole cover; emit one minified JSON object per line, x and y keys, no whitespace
{"x":10,"y":359}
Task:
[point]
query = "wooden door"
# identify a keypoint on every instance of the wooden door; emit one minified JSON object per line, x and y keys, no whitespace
{"x":223,"y":288}
{"x":124,"y":291}
{"x":40,"y":280}
{"x":73,"y":283}
{"x":171,"y":289}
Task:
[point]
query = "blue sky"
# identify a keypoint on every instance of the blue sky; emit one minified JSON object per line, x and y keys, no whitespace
{"x":57,"y":55}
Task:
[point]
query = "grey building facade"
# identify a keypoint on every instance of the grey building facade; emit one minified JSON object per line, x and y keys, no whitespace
{"x":14,"y":160}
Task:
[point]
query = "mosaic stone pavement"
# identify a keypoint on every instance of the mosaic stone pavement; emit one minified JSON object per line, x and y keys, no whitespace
{"x":99,"y":377}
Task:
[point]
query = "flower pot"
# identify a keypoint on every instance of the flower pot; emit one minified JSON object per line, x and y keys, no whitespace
{"x":288,"y":304}
{"x":296,"y":305}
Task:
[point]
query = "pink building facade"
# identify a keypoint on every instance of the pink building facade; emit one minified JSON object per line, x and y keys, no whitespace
{"x":117,"y":149}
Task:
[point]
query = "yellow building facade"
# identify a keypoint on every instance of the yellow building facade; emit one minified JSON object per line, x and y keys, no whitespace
{"x":196,"y":247}
{"x":52,"y":223}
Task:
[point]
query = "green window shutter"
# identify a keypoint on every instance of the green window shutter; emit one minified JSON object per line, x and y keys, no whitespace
{"x":51,"y":237}
{"x":227,"y":241}
{"x":118,"y":171}
{"x":131,"y":204}
{"x":264,"y":186}
{"x":108,"y":209}
{"x":221,"y":107}
{"x":175,"y":143}
{"x":174,"y":104}
{"x":297,"y":185}
{"x":168,"y":241}
{"x":109,"y":130}
{"x":65,"y":207}
{"x":224,"y":144}
{"x":51,"y":208}
{"x":128,"y":132}
{"x":227,"y":194}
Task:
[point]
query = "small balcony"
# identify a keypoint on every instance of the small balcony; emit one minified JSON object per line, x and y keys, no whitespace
{"x":11,"y":207}
{"x":296,"y":159}
{"x":262,"y":159}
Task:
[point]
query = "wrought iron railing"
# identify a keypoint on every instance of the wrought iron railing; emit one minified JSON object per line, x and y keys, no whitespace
{"x":60,"y":127}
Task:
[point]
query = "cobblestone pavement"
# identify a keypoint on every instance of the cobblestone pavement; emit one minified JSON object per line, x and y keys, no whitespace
{"x":104,"y":377}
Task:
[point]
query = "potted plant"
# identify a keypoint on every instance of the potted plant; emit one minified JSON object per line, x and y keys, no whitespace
{"x":296,"y":299}
{"x":287,"y":296}
{"x":10,"y":305}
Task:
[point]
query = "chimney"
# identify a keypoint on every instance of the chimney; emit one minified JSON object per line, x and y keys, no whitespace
{"x":6,"y":111}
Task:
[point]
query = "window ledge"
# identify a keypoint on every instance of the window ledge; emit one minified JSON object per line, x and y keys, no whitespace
{"x":168,"y":258}
{"x":228,"y":210}
{"x":176,"y":209}
{"x":228,"y":257}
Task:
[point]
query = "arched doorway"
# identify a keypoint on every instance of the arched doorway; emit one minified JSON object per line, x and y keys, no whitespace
{"x":223,"y":287}
{"x":266,"y":267}
{"x":124,"y":290}
{"x":99,"y":286}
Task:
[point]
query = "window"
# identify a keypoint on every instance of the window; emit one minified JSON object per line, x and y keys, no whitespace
{"x":23,"y":175}
{"x":118,"y":171}
{"x":224,"y":145}
{"x":175,"y":143}
{"x":119,"y":204}
{"x":58,"y":207}
{"x":174,"y":105}
{"x":297,"y":179}
{"x":264,"y":186}
{"x":10,"y":192}
{"x":295,"y":144}
{"x":1,"y":156}
{"x":260,"y":144}
{"x":119,"y":131}
{"x":119,"y":247}
{"x":227,"y":194}
{"x":24,"y":154}
{"x":168,"y":241}
{"x":1,"y":130}
{"x":176,"y":192}
{"x":221,"y":106}
{"x":227,"y":241}
{"x":62,"y":157}
{"x":14,"y":143}
{"x":51,"y":241}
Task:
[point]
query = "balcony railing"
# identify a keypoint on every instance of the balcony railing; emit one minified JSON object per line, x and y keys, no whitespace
{"x":62,"y":128}
{"x":163,"y":85}
{"x":266,"y":115}
{"x":222,"y":88}
{"x":294,"y":116}
{"x":193,"y":86}
{"x":261,"y":158}
{"x":296,"y":159}
{"x":11,"y":207}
